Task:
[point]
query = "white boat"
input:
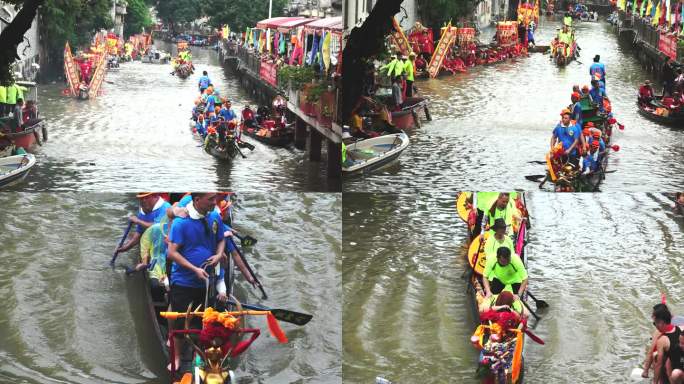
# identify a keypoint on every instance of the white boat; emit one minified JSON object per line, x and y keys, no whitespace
{"x":14,"y":169}
{"x":369,"y":154}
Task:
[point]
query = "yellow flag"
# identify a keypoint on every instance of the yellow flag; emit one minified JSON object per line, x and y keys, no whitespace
{"x":656,"y":17}
{"x":326,"y":50}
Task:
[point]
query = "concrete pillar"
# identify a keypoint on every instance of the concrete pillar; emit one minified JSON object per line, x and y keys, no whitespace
{"x":300,"y":134}
{"x":334,"y":159}
{"x":314,"y":145}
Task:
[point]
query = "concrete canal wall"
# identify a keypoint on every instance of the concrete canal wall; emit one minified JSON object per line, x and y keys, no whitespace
{"x":311,"y":131}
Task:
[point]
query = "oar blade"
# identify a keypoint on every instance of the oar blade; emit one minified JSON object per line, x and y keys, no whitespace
{"x":537,"y":162}
{"x":534,"y":337}
{"x":541,"y":304}
{"x":534,"y":178}
{"x":291,"y":316}
{"x":248,"y":241}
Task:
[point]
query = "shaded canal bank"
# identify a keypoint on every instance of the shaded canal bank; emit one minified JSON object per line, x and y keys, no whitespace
{"x":600,"y":261}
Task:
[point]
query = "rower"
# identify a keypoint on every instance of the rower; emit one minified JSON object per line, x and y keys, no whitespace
{"x":585,"y":92}
{"x":646,"y":93}
{"x":576,"y":108}
{"x":196,"y":242}
{"x":659,"y":352}
{"x":497,"y":240}
{"x":568,"y":135}
{"x":596,"y":137}
{"x":506,"y":270}
{"x":204,"y":81}
{"x":676,"y":361}
{"x":227,"y":112}
{"x":504,"y":302}
{"x":597,"y":94}
{"x":567,"y":20}
{"x":598,"y":68}
{"x":592,"y":161}
{"x":248,"y":117}
{"x":153,"y":251}
{"x":152,"y":210}
{"x":503,"y":208}
{"x":201,"y":126}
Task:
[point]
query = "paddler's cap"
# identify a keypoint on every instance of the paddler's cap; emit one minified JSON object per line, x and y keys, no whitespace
{"x":565,"y":112}
{"x":595,"y":144}
{"x":575,"y":96}
{"x":585,"y":88}
{"x":596,"y":134}
{"x":590,"y":124}
{"x":586,"y":131}
{"x":143,"y":195}
{"x":499,"y":224}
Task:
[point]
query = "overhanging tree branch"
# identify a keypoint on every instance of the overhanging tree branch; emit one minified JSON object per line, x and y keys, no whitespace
{"x":13,"y":35}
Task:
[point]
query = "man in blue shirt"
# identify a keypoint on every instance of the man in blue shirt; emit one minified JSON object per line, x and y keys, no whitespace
{"x":568,"y":135}
{"x":597,"y":94}
{"x":598,"y":68}
{"x":152,"y":209}
{"x":576,"y":108}
{"x":204,"y":82}
{"x":227,"y":112}
{"x":592,"y":160}
{"x":196,"y":242}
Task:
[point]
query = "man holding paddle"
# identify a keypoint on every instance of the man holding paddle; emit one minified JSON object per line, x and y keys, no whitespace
{"x":665,"y":341}
{"x":196,"y":242}
{"x":152,"y":209}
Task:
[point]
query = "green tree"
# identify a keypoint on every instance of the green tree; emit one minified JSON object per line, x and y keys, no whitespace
{"x":435,"y":13}
{"x":13,"y":34}
{"x":173,"y":12}
{"x":75,"y":21}
{"x":240,"y":14}
{"x":137,"y":17}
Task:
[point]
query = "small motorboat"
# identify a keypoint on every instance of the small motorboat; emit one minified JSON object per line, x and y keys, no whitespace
{"x":369,"y":154}
{"x":14,"y":169}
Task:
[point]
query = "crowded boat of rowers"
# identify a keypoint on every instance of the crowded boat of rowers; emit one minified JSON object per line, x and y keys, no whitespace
{"x":497,"y":280}
{"x":190,"y":262}
{"x":581,"y":142}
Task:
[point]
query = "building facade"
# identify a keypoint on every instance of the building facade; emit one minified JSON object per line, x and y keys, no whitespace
{"x":26,"y":68}
{"x":118,"y":13}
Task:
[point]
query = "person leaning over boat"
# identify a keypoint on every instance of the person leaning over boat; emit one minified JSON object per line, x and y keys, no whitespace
{"x":152,"y":210}
{"x":195,"y":242}
{"x":497,"y":240}
{"x":568,"y":135}
{"x":507,"y":269}
{"x":659,"y":352}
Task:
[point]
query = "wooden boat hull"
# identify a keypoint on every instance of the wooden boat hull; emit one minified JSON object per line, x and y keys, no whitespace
{"x":395,"y":143}
{"x":14,"y":169}
{"x":282,"y":140}
{"x":226,"y":155}
{"x":29,"y":137}
{"x":475,"y":263}
{"x":676,"y":121}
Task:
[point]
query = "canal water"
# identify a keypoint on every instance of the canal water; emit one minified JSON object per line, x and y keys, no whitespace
{"x":490,"y":122}
{"x":136,"y":137}
{"x":600,"y":261}
{"x":68,"y":318}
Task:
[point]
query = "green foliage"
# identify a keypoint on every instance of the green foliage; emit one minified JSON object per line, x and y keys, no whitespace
{"x":178,"y":11}
{"x":314,"y":93}
{"x":240,"y":14}
{"x":435,"y":13}
{"x":295,"y":76}
{"x":137,"y":17}
{"x":75,"y":21}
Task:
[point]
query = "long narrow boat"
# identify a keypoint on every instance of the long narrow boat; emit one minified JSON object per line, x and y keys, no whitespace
{"x":501,"y":357}
{"x":271,"y":135}
{"x":568,"y":179}
{"x":367,"y":155}
{"x":656,"y":112}
{"x":14,"y":169}
{"x":153,"y":306}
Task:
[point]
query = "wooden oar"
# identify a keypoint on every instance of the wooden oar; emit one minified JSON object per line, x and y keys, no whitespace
{"x":537,"y":302}
{"x":534,"y":337}
{"x":249,"y":268}
{"x":246,"y":241}
{"x":537,"y":162}
{"x":123,"y":238}
{"x":530,"y":309}
{"x":285,"y":315}
{"x":534,"y":178}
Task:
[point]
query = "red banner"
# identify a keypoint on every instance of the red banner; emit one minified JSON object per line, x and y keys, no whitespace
{"x":267,"y":71}
{"x":668,"y":45}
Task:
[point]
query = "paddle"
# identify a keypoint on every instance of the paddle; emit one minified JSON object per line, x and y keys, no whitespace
{"x":246,"y":145}
{"x":537,"y":162}
{"x":537,"y":302}
{"x":530,"y":309}
{"x":534,"y":178}
{"x":249,"y":268}
{"x":123,"y":238}
{"x":529,"y":222}
{"x":285,"y":315}
{"x":246,"y":241}
{"x":239,"y":151}
{"x":534,"y":337}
